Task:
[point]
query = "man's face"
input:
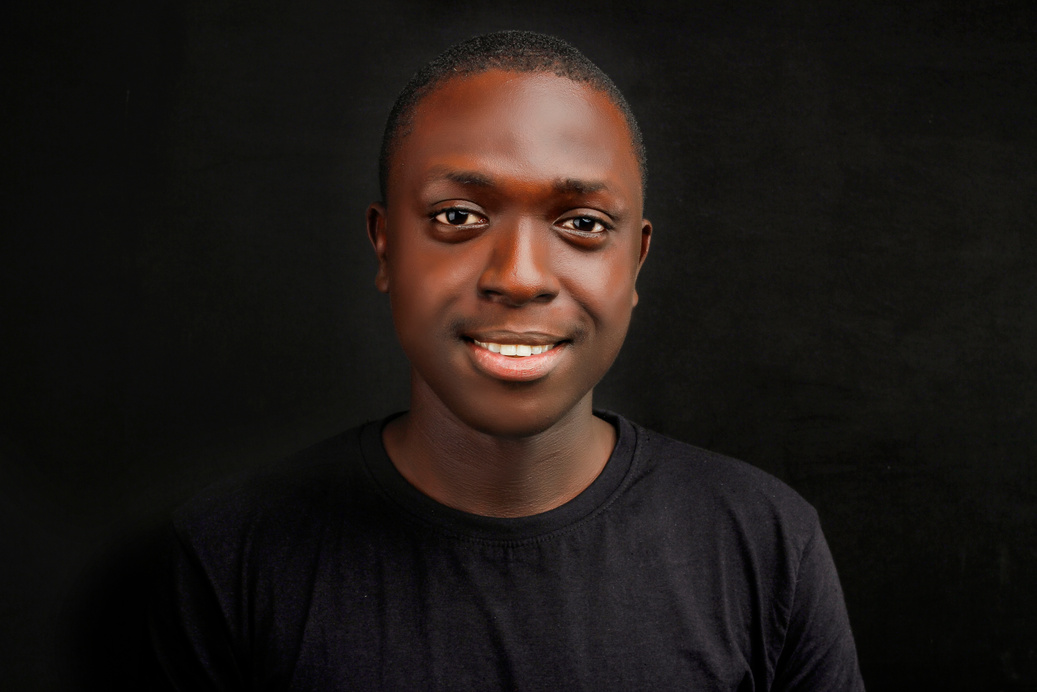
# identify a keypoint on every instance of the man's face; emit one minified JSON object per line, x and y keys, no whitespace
{"x":509,"y":247}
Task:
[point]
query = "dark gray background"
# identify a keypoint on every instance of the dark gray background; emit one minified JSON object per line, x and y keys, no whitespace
{"x":841,"y":288}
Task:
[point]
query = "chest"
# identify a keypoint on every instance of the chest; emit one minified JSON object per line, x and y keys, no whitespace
{"x":599,"y":614}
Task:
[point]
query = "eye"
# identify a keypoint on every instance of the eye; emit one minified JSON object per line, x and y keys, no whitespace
{"x":456,"y":216}
{"x":585,"y":225}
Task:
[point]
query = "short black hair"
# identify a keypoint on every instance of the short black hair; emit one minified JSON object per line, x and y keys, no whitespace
{"x":511,"y":51}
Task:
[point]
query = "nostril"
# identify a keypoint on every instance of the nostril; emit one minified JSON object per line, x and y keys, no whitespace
{"x":518,"y":296}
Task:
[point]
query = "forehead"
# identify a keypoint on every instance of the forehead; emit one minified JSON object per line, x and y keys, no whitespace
{"x":524,"y":125}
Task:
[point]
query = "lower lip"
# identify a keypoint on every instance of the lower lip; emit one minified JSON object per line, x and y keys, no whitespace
{"x":515,"y":368}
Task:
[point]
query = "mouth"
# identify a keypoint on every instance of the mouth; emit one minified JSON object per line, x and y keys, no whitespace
{"x":516,"y":357}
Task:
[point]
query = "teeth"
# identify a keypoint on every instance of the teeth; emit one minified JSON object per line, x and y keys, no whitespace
{"x":516,"y":350}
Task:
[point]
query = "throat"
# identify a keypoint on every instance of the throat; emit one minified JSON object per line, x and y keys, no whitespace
{"x":489,"y":476}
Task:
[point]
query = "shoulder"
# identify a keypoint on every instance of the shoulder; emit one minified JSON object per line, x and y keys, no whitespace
{"x":243,"y":554}
{"x":714,"y":474}
{"x":761,"y":547}
{"x":734,"y":498}
{"x":272,"y":506}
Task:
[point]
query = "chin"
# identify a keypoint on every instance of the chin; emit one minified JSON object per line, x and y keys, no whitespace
{"x":506,"y":410}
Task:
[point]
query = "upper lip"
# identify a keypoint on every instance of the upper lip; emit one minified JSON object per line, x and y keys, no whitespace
{"x":505,"y":336}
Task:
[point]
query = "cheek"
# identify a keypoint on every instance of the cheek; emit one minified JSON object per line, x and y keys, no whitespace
{"x":418,"y":263}
{"x":604,"y":285}
{"x":424,"y":281}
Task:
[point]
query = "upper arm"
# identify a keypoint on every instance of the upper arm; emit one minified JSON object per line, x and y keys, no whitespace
{"x":818,"y":653}
{"x":191,"y":638}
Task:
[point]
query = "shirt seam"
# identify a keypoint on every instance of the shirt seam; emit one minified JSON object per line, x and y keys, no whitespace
{"x":415,"y":517}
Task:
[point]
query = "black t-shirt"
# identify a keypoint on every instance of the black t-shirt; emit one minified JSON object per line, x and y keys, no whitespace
{"x":675,"y":569}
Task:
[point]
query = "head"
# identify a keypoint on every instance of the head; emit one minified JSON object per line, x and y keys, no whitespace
{"x":511,"y":231}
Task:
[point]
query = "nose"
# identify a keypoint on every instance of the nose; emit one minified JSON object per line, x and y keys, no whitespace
{"x":519,"y":269}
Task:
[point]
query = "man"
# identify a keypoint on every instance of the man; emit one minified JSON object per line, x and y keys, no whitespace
{"x":502,"y":534}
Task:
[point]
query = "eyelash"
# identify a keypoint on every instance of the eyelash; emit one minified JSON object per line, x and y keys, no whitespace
{"x":605,"y":227}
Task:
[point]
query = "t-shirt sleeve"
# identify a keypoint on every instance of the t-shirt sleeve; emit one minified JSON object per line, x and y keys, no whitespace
{"x":818,"y":653}
{"x":190,"y":632}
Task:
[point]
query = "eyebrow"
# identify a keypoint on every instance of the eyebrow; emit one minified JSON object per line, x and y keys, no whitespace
{"x":572,"y":186}
{"x":578,"y":187}
{"x":467,"y":178}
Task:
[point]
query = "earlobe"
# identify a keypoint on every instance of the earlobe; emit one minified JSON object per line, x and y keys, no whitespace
{"x":376,"y":214}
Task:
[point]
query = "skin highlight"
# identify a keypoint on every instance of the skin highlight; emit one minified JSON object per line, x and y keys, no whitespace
{"x":515,"y":217}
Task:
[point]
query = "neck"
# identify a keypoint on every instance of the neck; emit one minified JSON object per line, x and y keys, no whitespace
{"x":484,"y":474}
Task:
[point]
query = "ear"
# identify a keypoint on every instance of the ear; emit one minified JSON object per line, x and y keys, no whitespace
{"x":646,"y":240}
{"x":376,"y":233}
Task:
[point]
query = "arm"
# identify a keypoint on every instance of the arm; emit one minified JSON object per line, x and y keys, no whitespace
{"x":818,"y":652}
{"x":190,"y":634}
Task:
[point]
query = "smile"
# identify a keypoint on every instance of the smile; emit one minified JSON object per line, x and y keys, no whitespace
{"x":516,"y":362}
{"x":515,"y":350}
